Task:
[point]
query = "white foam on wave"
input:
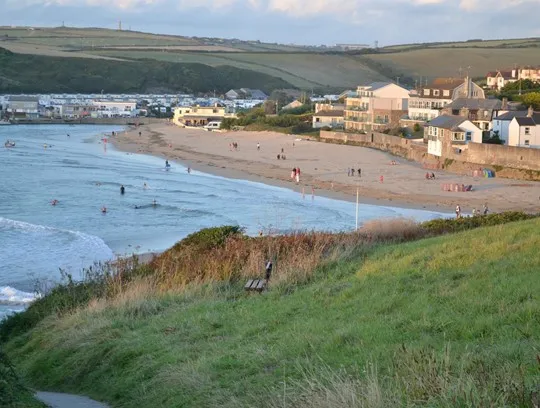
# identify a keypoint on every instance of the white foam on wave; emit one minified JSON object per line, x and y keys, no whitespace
{"x":26,"y":227}
{"x":12,"y":296}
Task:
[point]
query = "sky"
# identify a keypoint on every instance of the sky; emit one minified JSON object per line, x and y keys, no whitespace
{"x":309,"y":22}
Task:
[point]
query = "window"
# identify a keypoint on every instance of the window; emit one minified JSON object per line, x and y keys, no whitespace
{"x":436,"y":92}
{"x":317,"y":119}
{"x":426,"y":92}
{"x":446,"y":92}
{"x":527,"y":142}
{"x":468,"y":136}
{"x":527,"y":131}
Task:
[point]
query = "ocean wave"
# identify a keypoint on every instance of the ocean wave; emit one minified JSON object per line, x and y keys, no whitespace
{"x":97,"y":244}
{"x":12,"y":296}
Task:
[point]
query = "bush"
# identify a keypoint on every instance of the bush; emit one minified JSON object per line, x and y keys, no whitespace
{"x":209,"y":238}
{"x":417,"y":127}
{"x":445,"y":226}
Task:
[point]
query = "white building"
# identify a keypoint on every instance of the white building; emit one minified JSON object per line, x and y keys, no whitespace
{"x":450,"y":132}
{"x":375,"y":106}
{"x":106,"y":108}
{"x":329,"y":118}
{"x":432,"y":98}
{"x":525,"y":131}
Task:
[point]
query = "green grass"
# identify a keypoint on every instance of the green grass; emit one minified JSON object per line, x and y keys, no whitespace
{"x":12,"y":393}
{"x":33,"y":74}
{"x":304,"y":70}
{"x":441,"y":322}
{"x":433,"y":62}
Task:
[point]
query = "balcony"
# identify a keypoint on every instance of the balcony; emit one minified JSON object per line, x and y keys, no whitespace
{"x":356,"y":108}
{"x":356,"y":119}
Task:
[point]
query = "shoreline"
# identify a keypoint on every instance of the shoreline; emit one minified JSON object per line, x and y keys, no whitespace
{"x":404,"y":184}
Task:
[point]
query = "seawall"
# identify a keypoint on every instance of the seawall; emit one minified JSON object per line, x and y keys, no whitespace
{"x":505,"y":161}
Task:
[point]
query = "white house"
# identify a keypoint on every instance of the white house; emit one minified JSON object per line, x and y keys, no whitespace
{"x":525,"y":131}
{"x":501,"y":124}
{"x":328,"y":118}
{"x":448,"y":131}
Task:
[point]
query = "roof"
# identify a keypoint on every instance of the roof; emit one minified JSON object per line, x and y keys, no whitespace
{"x":447,"y":121}
{"x":511,"y":115}
{"x":526,"y":121}
{"x":330,"y":113}
{"x":24,"y":99}
{"x":257,"y":94}
{"x":378,"y":85}
{"x":445,"y":83}
{"x":487,"y":104}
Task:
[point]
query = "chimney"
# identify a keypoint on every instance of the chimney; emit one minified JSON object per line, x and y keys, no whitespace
{"x":530,"y":112}
{"x":467,"y":87}
{"x":504,"y":105}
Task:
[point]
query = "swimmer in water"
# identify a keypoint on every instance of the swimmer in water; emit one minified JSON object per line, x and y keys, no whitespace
{"x":154,"y":203}
{"x":103,"y":209}
{"x":54,"y":202}
{"x":145,"y":186}
{"x":122,"y":190}
{"x":167,"y":163}
{"x":189,"y":170}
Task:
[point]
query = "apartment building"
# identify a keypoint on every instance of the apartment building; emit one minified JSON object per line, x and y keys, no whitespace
{"x":377,"y":106}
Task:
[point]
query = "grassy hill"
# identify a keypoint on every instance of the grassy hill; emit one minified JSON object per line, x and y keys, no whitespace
{"x":305,"y":67}
{"x":20,"y":73}
{"x":350,"y":321}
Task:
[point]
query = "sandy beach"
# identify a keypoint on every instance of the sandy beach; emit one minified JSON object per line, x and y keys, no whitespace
{"x":324,"y":169}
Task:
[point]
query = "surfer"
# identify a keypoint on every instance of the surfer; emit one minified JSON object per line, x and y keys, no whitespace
{"x":167,"y":164}
{"x":104,"y":210}
{"x":122,"y":190}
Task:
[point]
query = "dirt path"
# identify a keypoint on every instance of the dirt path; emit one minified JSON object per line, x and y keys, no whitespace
{"x":57,"y":400}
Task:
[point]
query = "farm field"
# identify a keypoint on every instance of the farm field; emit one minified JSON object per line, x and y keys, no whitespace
{"x":434,"y":62}
{"x":304,"y":70}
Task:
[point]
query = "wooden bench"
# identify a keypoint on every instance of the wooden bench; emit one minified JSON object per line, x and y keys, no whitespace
{"x":257,"y":285}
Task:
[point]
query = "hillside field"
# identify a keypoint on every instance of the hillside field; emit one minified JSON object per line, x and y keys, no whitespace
{"x":450,"y":321}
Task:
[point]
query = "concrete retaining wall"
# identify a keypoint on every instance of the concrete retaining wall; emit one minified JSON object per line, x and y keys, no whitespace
{"x":507,"y":161}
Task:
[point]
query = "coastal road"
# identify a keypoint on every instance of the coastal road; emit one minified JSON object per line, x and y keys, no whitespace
{"x":57,"y":400}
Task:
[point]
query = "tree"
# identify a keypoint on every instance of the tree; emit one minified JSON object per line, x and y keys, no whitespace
{"x":531,"y":99}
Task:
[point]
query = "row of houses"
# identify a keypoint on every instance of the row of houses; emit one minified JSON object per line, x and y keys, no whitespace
{"x":500,"y":78}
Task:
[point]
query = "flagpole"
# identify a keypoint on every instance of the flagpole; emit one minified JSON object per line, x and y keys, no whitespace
{"x":356,"y":208}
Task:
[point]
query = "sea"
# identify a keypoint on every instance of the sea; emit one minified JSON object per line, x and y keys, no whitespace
{"x":77,"y":165}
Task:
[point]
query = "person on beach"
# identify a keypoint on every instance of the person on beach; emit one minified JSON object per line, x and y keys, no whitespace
{"x":359,"y":172}
{"x":140,"y":134}
{"x":352,"y":172}
{"x":189,"y":170}
{"x":458,"y":211}
{"x":432,"y":176}
{"x":167,"y":163}
{"x":258,"y":146}
{"x":298,"y":171}
{"x":381,"y":178}
{"x":348,"y":172}
{"x":485,"y":209}
{"x":282,"y":150}
{"x":122,"y":189}
{"x":278,"y":156}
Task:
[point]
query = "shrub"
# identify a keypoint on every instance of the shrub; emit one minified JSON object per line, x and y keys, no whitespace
{"x":417,"y":127}
{"x":449,"y":225}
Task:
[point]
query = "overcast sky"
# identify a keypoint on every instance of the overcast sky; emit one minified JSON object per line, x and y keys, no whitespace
{"x":292,"y":21}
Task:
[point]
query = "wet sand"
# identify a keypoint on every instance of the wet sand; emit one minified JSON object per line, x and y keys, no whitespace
{"x":324,"y":168}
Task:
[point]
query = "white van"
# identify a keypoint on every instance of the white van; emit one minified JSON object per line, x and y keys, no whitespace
{"x":214,"y":125}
